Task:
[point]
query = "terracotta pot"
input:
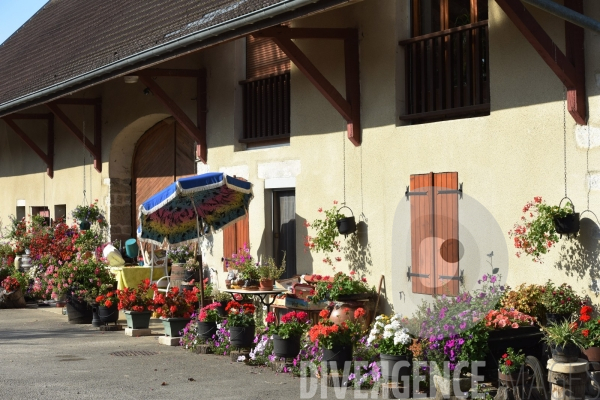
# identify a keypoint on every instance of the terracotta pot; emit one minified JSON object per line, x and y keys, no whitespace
{"x":266,"y":284}
{"x":510,"y":380}
{"x":344,"y":311}
{"x":593,"y":356}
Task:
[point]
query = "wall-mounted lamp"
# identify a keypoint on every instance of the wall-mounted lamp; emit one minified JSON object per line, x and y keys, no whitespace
{"x":130,"y":78}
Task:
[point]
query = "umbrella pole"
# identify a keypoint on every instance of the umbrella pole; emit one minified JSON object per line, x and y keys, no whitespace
{"x":201,"y":266}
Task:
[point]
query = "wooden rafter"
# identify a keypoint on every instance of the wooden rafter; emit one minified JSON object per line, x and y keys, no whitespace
{"x":94,"y":148}
{"x":197,"y":131}
{"x":349,"y":107}
{"x":48,"y":156}
{"x":568,"y":68}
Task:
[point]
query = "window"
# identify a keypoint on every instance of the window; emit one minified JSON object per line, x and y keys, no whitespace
{"x":284,"y":230}
{"x":447,"y":60}
{"x":266,"y":93}
{"x":42,"y":211}
{"x":235,"y":236}
{"x":60,"y":212}
{"x":20,"y":212}
{"x":434,"y":233}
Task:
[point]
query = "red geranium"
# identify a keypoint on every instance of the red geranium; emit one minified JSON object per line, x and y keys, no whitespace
{"x":175,"y":303}
{"x":139,"y":299}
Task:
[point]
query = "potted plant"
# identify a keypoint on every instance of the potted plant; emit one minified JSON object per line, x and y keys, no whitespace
{"x":341,"y":287}
{"x":337,"y":341}
{"x":560,"y":302}
{"x":175,"y":308}
{"x":246,"y":267}
{"x":325,"y":239}
{"x":566,"y":339}
{"x":207,"y":320}
{"x":535,"y":234}
{"x":106,"y":301}
{"x":179,"y":256}
{"x":208,"y":291}
{"x":75,"y":280}
{"x":392,"y":339}
{"x":221,"y":298}
{"x":508,"y":319}
{"x":590,"y":329}
{"x":13,"y":297}
{"x":240,"y":320}
{"x":526,"y":299}
{"x":86,"y":215}
{"x":287,"y":334}
{"x":268,"y":271}
{"x":509,"y":367}
{"x":137,"y":304}
{"x":346,"y":225}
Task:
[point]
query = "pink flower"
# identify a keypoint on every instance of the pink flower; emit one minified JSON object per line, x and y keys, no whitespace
{"x":515,"y":325}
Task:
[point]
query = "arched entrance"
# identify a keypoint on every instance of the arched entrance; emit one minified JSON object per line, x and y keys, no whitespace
{"x":165,"y":153}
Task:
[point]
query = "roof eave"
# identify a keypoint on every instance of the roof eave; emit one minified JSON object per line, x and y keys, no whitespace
{"x":228,"y":30}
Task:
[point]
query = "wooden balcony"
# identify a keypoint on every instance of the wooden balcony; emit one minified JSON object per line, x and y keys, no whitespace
{"x":447,"y":74}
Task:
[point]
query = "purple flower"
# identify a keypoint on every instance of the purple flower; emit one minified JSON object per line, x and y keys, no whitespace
{"x":463,"y":325}
{"x":493,"y":279}
{"x":484,"y":278}
{"x":445,"y":327}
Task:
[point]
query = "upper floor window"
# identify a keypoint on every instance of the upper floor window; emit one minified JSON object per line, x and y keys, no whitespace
{"x":447,"y":60}
{"x":266,"y":93}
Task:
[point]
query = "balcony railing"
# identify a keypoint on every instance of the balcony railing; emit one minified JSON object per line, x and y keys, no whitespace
{"x":447,"y":74}
{"x":266,"y":109}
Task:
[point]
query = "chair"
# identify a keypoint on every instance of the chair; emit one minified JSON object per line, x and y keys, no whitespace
{"x":156,"y":260}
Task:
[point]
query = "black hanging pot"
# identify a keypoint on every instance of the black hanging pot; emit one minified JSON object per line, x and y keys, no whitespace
{"x":346,"y":225}
{"x":569,"y":224}
{"x":84,"y":225}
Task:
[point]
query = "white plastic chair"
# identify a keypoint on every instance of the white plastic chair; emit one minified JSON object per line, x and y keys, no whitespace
{"x":152,"y":261}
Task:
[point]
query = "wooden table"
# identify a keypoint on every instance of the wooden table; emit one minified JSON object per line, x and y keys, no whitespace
{"x":263,"y":295}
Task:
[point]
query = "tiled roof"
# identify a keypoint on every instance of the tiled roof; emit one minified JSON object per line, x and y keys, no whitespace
{"x":68,"y":38}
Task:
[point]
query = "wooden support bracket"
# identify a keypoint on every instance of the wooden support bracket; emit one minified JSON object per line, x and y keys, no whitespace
{"x":48,"y":157}
{"x":94,"y":148}
{"x":568,"y":68}
{"x":197,"y":131}
{"x":349,"y":107}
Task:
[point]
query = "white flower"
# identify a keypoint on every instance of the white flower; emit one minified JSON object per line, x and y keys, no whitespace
{"x":388,"y":334}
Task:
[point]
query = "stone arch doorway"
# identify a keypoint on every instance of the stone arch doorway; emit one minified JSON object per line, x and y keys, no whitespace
{"x":164,"y":153}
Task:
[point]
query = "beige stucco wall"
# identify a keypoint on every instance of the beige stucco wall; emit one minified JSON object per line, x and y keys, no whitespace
{"x":503,"y":159}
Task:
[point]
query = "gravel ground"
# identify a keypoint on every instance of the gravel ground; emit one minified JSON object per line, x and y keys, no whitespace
{"x":44,"y":357}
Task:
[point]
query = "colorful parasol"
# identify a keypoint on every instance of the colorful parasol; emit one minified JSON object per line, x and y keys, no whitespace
{"x":189,"y":207}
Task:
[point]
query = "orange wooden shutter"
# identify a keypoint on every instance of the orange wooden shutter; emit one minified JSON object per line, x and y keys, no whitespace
{"x":229,"y":246}
{"x":445,"y":231}
{"x":242,"y":232}
{"x":422,"y":234}
{"x":264,"y":58}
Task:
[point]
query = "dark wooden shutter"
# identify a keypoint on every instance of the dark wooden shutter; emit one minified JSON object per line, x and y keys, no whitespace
{"x":422,"y":234}
{"x":446,"y":233}
{"x":434,"y":234}
{"x":264,"y":58}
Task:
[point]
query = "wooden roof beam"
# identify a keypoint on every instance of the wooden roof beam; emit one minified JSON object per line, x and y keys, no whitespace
{"x":94,"y":148}
{"x":569,"y":69}
{"x":349,"y":107}
{"x":48,"y":157}
{"x":196,"y":131}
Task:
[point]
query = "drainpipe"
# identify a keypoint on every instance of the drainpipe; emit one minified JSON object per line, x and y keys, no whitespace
{"x":195,"y":41}
{"x":566,"y":13}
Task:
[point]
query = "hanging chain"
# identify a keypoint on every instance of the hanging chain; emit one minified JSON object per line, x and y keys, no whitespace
{"x":565,"y":134}
{"x":587,"y":165}
{"x":344,"y":149}
{"x":85,"y":201}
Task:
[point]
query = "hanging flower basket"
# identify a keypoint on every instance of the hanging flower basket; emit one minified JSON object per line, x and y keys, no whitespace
{"x":569,"y":224}
{"x":346,"y":225}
